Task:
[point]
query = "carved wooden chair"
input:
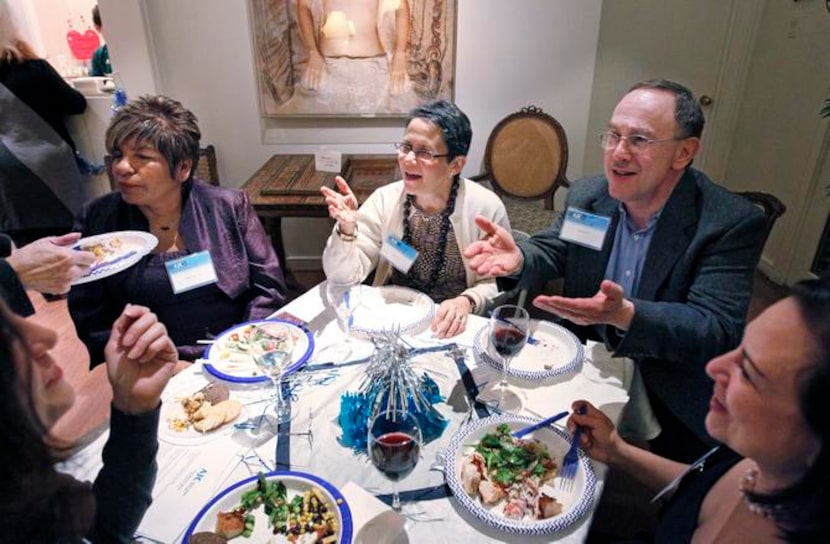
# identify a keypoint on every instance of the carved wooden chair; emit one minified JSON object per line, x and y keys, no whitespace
{"x":206,"y":166}
{"x":526,"y":156}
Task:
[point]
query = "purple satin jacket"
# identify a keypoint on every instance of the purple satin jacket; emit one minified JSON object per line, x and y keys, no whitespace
{"x":222,"y":221}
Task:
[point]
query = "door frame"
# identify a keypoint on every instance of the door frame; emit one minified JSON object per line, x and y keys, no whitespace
{"x":811,"y":212}
{"x":744,"y":21}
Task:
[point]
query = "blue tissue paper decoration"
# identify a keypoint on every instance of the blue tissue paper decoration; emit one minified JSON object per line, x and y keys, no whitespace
{"x":390,"y":383}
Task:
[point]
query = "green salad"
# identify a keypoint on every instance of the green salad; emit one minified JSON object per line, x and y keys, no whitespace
{"x":509,"y":460}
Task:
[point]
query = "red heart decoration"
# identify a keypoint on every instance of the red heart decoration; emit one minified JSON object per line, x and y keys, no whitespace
{"x":83,"y":45}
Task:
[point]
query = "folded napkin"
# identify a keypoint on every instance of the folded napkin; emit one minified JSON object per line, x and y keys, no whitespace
{"x":373,"y":521}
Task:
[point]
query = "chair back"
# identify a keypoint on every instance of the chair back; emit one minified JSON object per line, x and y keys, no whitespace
{"x":206,"y":166}
{"x":771,"y":206}
{"x":527,"y":156}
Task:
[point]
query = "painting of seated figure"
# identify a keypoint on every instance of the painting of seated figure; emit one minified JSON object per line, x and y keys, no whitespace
{"x":352,"y":57}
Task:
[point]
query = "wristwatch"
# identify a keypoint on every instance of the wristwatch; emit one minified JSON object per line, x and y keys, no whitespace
{"x":472,"y":302}
{"x":346,"y":237}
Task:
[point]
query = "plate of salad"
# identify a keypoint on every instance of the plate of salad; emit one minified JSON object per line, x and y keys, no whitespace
{"x":277,"y":507}
{"x":232,"y":356}
{"x":513,"y":484}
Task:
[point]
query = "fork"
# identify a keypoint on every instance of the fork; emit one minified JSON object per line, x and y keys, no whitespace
{"x":571,"y":460}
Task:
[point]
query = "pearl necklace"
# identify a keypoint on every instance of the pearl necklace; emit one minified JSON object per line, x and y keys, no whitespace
{"x":759,"y":508}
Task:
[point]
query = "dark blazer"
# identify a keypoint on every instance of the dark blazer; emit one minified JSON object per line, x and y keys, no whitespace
{"x":694,"y":291}
{"x":12,"y":291}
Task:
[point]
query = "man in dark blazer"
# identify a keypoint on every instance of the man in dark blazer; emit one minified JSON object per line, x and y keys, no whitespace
{"x":669,"y":284}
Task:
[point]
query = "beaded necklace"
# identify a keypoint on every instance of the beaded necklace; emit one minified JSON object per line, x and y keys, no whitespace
{"x":756,"y":503}
{"x":438,"y":261}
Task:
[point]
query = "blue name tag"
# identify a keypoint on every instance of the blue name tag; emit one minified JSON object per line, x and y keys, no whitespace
{"x":191,"y":272}
{"x":399,"y":254}
{"x":584,"y":228}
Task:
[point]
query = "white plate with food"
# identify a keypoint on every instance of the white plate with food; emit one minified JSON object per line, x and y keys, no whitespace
{"x":484,"y":490}
{"x":551,"y":350}
{"x":309,"y":496}
{"x":193,"y":414}
{"x":115,"y":252}
{"x":232,"y":356}
{"x":391,"y":308}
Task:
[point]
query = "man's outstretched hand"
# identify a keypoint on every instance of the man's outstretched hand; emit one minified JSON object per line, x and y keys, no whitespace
{"x":607,"y":306}
{"x":496,"y":254}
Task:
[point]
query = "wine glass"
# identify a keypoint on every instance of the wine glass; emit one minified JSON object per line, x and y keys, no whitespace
{"x":343,"y":296}
{"x":508,"y":334}
{"x":273,"y":364}
{"x":394,"y":446}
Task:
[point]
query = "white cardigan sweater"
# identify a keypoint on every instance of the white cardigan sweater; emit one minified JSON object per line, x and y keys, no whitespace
{"x":382,"y":214}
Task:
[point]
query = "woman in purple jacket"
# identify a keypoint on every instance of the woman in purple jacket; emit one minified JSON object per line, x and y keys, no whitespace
{"x":154,"y":144}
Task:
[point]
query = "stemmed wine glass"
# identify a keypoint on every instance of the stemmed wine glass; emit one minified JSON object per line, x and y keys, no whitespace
{"x":508,"y":334}
{"x":273,"y":364}
{"x":394,"y":446}
{"x":343,"y":296}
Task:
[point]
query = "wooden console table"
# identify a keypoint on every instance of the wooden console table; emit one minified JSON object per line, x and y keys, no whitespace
{"x":289,"y":186}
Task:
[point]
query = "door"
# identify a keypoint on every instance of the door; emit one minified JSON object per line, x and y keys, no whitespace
{"x":702,"y":44}
{"x":811,"y":255}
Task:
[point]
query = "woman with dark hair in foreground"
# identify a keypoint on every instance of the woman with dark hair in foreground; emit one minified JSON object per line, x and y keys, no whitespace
{"x":40,"y":504}
{"x":770,"y":407}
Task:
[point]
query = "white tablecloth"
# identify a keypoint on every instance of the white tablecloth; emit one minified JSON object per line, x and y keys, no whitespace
{"x":189,"y":475}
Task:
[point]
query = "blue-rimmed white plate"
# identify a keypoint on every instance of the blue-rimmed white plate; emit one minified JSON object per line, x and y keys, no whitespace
{"x":551,"y":350}
{"x":115,"y":252}
{"x":296,"y":483}
{"x":231,"y":357}
{"x":576,"y":503}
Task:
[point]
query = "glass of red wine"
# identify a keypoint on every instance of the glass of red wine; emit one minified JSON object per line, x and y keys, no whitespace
{"x":394,"y":446}
{"x":508,"y":335}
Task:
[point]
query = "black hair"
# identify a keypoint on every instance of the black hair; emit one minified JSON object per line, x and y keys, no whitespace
{"x":687,"y":111}
{"x":37,"y":503}
{"x":96,"y":16}
{"x":160,"y":122}
{"x":802,"y":511}
{"x":454,"y":125}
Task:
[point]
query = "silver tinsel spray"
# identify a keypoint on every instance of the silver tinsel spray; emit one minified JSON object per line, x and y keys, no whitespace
{"x":389,"y":384}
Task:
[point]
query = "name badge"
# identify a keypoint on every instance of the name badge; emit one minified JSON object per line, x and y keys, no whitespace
{"x":399,"y":254}
{"x":584,"y":228}
{"x":191,"y":272}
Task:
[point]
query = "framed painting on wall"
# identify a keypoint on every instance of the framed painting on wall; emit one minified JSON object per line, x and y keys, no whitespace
{"x":354,"y":58}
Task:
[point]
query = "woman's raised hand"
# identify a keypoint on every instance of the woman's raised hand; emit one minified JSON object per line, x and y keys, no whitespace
{"x":342,"y":206}
{"x":140,"y":360}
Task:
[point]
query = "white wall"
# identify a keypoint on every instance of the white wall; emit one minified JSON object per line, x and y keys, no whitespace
{"x":509,"y":55}
{"x":780,"y":139}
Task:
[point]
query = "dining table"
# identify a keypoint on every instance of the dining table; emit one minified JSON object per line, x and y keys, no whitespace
{"x":193,"y":468}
